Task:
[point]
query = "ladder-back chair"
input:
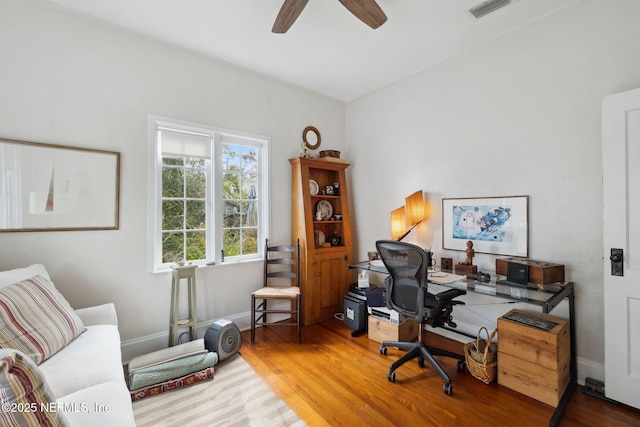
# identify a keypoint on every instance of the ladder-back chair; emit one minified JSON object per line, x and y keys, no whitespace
{"x":281,"y":282}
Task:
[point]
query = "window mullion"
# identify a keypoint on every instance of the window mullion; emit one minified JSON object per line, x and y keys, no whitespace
{"x":217,"y":233}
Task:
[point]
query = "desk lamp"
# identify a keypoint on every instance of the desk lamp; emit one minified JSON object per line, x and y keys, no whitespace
{"x":405,"y":219}
{"x":415,"y":209}
{"x":398,"y":223}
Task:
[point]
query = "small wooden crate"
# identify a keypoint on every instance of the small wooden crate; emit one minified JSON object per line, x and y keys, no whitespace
{"x":533,"y":361}
{"x":540,"y":272}
{"x":382,"y":330}
{"x":530,"y":379}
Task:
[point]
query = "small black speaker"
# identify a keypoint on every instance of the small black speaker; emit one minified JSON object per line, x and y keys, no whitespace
{"x":517,"y":273}
{"x":355,"y":314}
{"x":223,"y":337}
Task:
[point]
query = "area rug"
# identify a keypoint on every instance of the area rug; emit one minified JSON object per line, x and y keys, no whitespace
{"x":236,"y":396}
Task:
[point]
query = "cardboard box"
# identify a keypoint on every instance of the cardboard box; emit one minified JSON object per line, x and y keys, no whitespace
{"x":383,"y":330}
{"x":540,"y":272}
{"x":534,"y":354}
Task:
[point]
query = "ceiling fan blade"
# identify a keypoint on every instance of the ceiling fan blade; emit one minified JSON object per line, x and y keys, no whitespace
{"x":288,"y":14}
{"x":367,"y":11}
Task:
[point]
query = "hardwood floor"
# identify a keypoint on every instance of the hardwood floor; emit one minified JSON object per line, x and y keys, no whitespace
{"x":333,"y":379}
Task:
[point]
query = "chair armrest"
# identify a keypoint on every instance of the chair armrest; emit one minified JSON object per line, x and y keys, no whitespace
{"x":104,"y":314}
{"x":449,"y":294}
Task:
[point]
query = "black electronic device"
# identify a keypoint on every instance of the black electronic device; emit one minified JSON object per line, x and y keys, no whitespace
{"x":376,"y":297}
{"x":223,"y":337}
{"x":355,"y":315}
{"x":518,"y":273}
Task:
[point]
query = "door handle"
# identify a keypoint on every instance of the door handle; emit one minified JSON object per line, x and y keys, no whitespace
{"x":617,"y":258}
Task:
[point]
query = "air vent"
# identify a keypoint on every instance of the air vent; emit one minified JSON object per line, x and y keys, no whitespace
{"x":487,"y":7}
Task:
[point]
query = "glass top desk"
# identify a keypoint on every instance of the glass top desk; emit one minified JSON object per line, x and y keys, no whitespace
{"x":547,"y":297}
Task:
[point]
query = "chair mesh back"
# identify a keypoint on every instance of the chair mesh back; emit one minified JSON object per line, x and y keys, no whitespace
{"x":406,"y":264}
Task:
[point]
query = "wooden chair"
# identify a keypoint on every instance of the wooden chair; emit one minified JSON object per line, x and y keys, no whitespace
{"x":281,"y":282}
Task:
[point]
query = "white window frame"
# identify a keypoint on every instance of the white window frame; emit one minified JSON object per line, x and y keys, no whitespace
{"x":215,"y":203}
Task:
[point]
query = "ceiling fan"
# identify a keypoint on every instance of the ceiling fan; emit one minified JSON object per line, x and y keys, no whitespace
{"x":367,"y":11}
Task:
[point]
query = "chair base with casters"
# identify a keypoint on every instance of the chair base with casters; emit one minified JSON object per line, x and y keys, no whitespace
{"x":422,"y":352}
{"x":407,"y":293}
{"x":281,"y":282}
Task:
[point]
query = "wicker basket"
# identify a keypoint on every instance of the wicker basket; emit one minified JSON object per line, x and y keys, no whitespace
{"x":481,"y":357}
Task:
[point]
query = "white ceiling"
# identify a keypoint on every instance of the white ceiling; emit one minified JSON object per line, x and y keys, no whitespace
{"x":327,"y":49}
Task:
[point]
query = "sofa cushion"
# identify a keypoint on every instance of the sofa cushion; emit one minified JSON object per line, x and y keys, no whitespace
{"x":102,"y":405}
{"x":25,"y":395}
{"x":36,"y":319}
{"x":92,"y":358}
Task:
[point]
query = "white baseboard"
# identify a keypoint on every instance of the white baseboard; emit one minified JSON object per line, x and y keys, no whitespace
{"x":589,"y":368}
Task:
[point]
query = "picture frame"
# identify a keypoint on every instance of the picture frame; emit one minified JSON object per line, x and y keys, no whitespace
{"x":495,"y":225}
{"x":329,"y":190}
{"x":48,"y":187}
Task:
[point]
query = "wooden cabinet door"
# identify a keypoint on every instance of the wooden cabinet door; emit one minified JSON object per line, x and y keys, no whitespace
{"x":328,"y":285}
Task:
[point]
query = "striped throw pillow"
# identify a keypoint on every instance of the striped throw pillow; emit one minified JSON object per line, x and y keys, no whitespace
{"x":36,"y":319}
{"x":24,"y":394}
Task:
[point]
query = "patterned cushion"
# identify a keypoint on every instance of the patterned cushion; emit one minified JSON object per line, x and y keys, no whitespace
{"x":24,"y":394}
{"x":36,"y":319}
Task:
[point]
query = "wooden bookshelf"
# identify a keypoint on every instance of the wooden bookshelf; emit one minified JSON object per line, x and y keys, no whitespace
{"x":325,"y":243}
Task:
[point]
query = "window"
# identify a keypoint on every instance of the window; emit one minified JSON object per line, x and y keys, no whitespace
{"x":209,"y":200}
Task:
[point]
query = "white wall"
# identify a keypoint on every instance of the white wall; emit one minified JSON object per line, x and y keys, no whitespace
{"x":517,"y":116}
{"x":69,"y":80}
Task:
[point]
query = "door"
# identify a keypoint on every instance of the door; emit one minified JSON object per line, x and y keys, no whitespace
{"x":621,"y":198}
{"x":329,"y":289}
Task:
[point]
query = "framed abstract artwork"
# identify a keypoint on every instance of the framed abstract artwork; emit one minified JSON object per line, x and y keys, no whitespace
{"x":46,"y":187}
{"x":495,"y":225}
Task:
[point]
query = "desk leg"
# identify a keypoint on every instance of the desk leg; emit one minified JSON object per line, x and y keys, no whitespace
{"x":573,"y":368}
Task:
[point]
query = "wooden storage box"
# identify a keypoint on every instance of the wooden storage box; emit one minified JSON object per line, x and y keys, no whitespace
{"x":548,"y":349}
{"x":540,"y":272}
{"x":531,"y":379}
{"x":382,"y":330}
{"x":531,"y":360}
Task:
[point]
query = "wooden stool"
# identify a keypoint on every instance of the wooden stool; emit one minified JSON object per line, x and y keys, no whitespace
{"x":183,"y":272}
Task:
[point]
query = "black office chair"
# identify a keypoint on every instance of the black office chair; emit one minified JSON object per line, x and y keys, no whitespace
{"x":406,"y":292}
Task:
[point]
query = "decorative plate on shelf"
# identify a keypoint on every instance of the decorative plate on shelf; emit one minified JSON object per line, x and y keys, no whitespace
{"x":325,"y":209}
{"x":313,"y":187}
{"x":321,"y":238}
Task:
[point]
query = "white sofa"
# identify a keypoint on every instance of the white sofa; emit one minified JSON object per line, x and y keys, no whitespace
{"x":86,"y":376}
